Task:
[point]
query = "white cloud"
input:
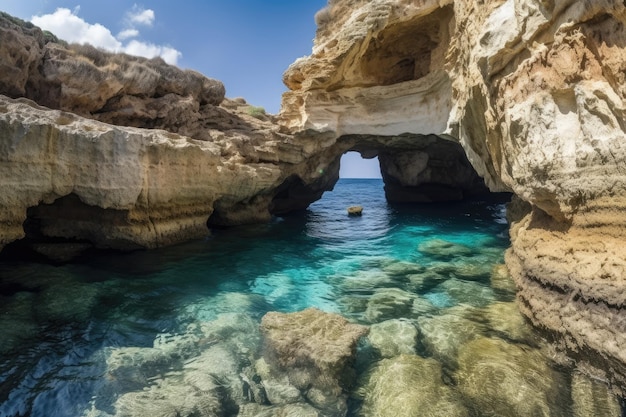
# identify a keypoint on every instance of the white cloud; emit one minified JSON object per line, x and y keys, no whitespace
{"x":67,"y":25}
{"x":149,"y":50}
{"x":170,"y":55}
{"x":141,"y":16}
{"x":127,"y":34}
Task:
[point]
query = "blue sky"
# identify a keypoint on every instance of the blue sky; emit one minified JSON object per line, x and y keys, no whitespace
{"x":247,"y":44}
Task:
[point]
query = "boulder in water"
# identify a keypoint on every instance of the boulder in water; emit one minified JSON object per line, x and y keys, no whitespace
{"x":407,"y":386}
{"x":355,"y":210}
{"x":466,"y":292}
{"x":510,"y":380}
{"x":394,"y":303}
{"x":439,"y":248}
{"x":165,"y":398}
{"x":443,"y":334}
{"x":393,"y":337}
{"x":314,"y":350}
{"x":402,"y":268}
{"x":508,"y":322}
{"x":593,"y":398}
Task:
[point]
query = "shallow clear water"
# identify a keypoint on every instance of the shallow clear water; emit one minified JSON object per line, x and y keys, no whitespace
{"x":59,"y":324}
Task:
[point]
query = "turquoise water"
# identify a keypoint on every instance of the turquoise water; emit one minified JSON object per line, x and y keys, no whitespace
{"x":60,"y":324}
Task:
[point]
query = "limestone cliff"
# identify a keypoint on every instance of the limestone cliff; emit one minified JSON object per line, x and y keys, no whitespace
{"x":534,"y":92}
{"x":130,"y":152}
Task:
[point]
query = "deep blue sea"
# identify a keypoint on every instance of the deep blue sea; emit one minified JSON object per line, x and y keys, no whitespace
{"x":60,"y":324}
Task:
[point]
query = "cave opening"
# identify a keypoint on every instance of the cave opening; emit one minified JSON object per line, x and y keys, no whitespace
{"x":359,"y":165}
{"x":412,"y":168}
{"x":65,"y":229}
{"x":408,"y":50}
{"x":415,"y":168}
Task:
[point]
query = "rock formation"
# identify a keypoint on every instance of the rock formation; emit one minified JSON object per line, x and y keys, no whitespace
{"x":523,"y":96}
{"x":505,"y":380}
{"x":114,"y":186}
{"x":91,"y":171}
{"x":310,"y":353}
{"x":408,"y":385}
{"x":534,"y":92}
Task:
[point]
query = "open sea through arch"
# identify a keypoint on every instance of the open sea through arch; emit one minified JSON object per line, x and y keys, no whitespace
{"x":78,"y":339}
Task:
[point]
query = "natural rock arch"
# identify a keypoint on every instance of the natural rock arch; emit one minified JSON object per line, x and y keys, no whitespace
{"x":534,"y":93}
{"x":415,"y":169}
{"x":421,"y":168}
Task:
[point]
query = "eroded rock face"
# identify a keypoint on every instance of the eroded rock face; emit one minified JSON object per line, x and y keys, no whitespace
{"x":114,"y":186}
{"x":534,"y":92}
{"x":570,"y":281}
{"x":114,"y":88}
{"x":549,"y":76}
{"x":83,"y":174}
{"x":373,"y":66}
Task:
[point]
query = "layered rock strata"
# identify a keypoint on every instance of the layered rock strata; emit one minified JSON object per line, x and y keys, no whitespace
{"x":114,"y":186}
{"x":205,"y":159}
{"x":130,"y":152}
{"x":534,"y":93}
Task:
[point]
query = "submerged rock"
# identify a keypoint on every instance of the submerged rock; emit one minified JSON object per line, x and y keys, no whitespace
{"x":593,"y":398}
{"x":506,"y":319}
{"x":237,"y":332}
{"x":210,"y":359}
{"x":442,"y":335}
{"x":222,"y":366}
{"x":314,"y":351}
{"x":402,"y":268}
{"x":393,"y":337}
{"x":353,"y":306}
{"x":289,"y":410}
{"x":131,"y":368}
{"x":443,"y":249}
{"x":408,"y":386}
{"x":207,"y":385}
{"x":228,"y":302}
{"x":466,"y":292}
{"x":276,"y":385}
{"x":501,"y":279}
{"x":394,"y":303}
{"x":197,"y":395}
{"x":508,"y":380}
{"x":365,"y":281}
{"x":475,"y":268}
{"x":425,"y":280}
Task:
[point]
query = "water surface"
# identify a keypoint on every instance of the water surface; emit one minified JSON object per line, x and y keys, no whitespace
{"x":60,"y":325}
